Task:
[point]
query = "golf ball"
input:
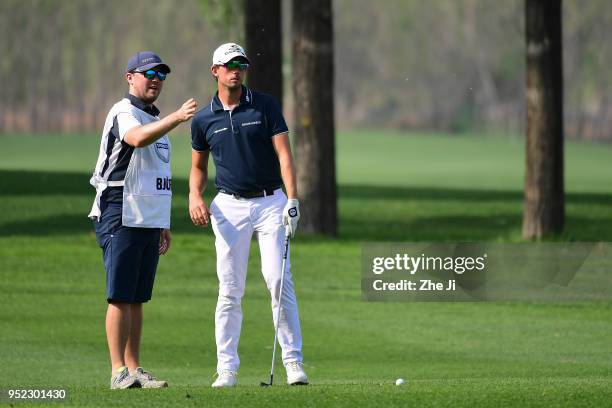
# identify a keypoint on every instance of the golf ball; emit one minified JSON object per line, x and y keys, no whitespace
{"x":400,"y":381}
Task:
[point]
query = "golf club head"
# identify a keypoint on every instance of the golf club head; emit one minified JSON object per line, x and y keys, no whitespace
{"x":265,"y":384}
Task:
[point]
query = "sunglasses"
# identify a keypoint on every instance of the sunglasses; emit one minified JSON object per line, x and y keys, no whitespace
{"x":150,"y":74}
{"x":243,"y":66}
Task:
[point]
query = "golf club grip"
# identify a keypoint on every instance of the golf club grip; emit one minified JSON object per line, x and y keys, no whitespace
{"x":285,"y":256}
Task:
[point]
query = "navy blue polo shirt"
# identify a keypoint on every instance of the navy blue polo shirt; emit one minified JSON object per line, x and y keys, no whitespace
{"x":240,"y":141}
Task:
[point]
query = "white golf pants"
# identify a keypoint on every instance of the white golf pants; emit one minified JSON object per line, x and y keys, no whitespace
{"x":234,"y":221}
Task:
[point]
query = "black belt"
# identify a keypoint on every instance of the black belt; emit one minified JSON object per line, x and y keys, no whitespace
{"x":249,"y":194}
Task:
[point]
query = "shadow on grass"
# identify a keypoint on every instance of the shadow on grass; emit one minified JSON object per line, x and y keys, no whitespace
{"x":450,"y":194}
{"x":39,"y":183}
{"x":17,"y":182}
{"x":368,"y":213}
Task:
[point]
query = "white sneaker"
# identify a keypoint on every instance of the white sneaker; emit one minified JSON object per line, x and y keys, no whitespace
{"x":296,"y":374}
{"x":225,"y":378}
{"x":122,"y":379}
{"x":146,"y":380}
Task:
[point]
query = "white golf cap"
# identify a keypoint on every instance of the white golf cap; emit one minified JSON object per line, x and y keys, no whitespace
{"x":226,"y":52}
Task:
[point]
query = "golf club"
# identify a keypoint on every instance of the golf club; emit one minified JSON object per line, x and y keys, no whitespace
{"x":280,"y":297}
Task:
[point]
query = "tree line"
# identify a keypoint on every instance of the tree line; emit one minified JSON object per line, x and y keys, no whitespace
{"x":448,"y":65}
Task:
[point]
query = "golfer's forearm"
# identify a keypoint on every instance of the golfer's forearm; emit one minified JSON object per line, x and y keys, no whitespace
{"x":285,"y":159}
{"x":144,"y":135}
{"x":198,"y":180}
{"x":288,"y":175}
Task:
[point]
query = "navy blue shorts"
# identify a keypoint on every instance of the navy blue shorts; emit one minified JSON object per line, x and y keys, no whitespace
{"x":130,"y":257}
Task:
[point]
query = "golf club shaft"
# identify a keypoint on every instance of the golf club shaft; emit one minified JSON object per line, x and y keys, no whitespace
{"x":280,"y":299}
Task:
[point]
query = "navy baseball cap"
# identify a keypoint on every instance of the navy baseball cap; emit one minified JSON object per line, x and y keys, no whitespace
{"x":145,"y":60}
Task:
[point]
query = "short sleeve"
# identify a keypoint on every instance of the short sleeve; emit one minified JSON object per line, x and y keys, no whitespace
{"x":125,"y":122}
{"x":276,"y":121}
{"x":198,"y":137}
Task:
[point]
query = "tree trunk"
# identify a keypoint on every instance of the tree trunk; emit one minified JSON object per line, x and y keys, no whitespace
{"x":264,"y":46}
{"x":544,"y":196}
{"x":313,"y":93}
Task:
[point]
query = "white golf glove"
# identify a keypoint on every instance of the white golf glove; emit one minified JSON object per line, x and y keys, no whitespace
{"x":291,"y":215}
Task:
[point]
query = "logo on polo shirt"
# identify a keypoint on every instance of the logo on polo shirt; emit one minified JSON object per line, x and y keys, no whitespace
{"x":219,"y":130}
{"x":256,"y":122}
{"x":163,"y":151}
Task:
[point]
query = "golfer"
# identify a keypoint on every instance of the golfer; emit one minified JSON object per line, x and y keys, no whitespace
{"x":247,"y":135}
{"x":131,"y":211}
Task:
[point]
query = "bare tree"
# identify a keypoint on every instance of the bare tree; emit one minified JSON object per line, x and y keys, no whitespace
{"x":544,"y":196}
{"x":262,"y":20}
{"x":313,"y":91}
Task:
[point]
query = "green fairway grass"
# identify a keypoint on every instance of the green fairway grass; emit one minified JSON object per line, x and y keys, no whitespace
{"x":392,"y":187}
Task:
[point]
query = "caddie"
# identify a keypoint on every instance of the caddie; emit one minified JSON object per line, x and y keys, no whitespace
{"x":131,"y":210}
{"x":247,"y":135}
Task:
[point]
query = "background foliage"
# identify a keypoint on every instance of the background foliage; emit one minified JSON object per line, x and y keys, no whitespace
{"x":405,"y":64}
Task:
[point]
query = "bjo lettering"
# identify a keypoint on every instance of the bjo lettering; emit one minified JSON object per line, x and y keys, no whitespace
{"x":164,"y":183}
